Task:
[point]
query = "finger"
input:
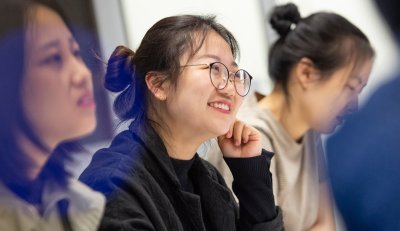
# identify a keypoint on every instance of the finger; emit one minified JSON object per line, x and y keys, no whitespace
{"x":237,"y":132}
{"x":254,"y":134}
{"x":247,"y":131}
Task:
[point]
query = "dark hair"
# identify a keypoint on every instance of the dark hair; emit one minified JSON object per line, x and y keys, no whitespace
{"x":14,"y":164}
{"x":327,"y":39}
{"x":160,"y":51}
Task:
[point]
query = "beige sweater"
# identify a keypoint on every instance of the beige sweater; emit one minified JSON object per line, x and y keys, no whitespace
{"x":297,"y":168}
{"x":85,"y":211}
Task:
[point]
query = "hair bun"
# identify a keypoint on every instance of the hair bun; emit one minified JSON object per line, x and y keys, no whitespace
{"x":283,"y":17}
{"x":120,"y":69}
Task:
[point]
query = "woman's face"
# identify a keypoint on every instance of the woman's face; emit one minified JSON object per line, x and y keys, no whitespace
{"x":57,"y":90}
{"x":196,"y":105}
{"x":337,"y":96}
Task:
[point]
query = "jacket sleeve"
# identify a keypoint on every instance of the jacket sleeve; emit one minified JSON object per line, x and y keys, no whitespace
{"x":252,"y":185}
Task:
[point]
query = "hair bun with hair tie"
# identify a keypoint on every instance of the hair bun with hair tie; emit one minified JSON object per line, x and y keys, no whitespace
{"x":285,"y":18}
{"x":120,"y":69}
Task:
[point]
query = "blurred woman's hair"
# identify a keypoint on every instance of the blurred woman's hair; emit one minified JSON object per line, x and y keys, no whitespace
{"x":329,"y":40}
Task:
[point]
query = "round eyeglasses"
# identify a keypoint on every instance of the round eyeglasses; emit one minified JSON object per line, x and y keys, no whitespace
{"x":219,"y":76}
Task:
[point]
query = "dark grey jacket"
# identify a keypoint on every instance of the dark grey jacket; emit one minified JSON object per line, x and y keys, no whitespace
{"x":144,"y":193}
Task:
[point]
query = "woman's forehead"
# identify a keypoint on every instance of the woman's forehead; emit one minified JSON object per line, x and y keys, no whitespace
{"x":213,"y":47}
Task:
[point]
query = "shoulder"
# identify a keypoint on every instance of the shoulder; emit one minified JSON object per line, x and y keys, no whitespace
{"x":86,"y":195}
{"x":259,"y":118}
{"x":85,"y":198}
{"x":9,"y":200}
{"x":118,"y":162}
{"x":86,"y":206}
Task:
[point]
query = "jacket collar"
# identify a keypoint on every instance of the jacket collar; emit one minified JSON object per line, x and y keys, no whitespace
{"x":149,"y":138}
{"x":216,"y":198}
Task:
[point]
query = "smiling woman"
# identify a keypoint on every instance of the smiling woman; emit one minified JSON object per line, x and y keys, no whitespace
{"x":180,"y":88}
{"x":46,"y":90}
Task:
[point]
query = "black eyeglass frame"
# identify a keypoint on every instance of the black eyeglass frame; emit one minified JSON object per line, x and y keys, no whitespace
{"x":209,"y":66}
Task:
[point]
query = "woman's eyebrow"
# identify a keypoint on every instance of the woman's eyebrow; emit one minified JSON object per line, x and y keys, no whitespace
{"x":49,"y":45}
{"x":216,"y":58}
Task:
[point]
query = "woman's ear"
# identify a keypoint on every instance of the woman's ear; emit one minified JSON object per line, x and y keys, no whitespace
{"x":157,"y":84}
{"x":306,"y":73}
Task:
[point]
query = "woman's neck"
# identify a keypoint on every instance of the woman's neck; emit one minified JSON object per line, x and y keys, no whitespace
{"x":286,"y":111}
{"x":36,"y":155}
{"x":179,"y":145}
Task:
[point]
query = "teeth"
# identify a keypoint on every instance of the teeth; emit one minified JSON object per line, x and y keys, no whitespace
{"x":220,"y":106}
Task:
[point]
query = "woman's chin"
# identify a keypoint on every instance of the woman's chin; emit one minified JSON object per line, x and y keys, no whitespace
{"x":84,"y":131}
{"x":219,"y":132}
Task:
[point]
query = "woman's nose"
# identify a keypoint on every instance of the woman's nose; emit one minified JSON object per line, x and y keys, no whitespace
{"x":81,"y":75}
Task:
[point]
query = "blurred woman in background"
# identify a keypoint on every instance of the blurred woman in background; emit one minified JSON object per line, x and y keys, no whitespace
{"x":47,"y":99}
{"x":319,"y":66}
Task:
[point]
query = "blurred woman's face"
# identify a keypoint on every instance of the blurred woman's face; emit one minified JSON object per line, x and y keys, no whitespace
{"x":57,"y":90}
{"x":332,"y":99}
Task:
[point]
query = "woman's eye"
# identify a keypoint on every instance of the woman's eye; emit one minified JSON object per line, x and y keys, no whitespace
{"x":351,"y":88}
{"x":53,"y":59}
{"x":215,"y":68}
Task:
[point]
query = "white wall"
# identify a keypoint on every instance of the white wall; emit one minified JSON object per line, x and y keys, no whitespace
{"x":243,"y":18}
{"x":110,"y":25}
{"x":363,"y":14}
{"x":112,"y":33}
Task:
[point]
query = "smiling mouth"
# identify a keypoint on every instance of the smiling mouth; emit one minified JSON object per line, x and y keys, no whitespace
{"x":221,"y":106}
